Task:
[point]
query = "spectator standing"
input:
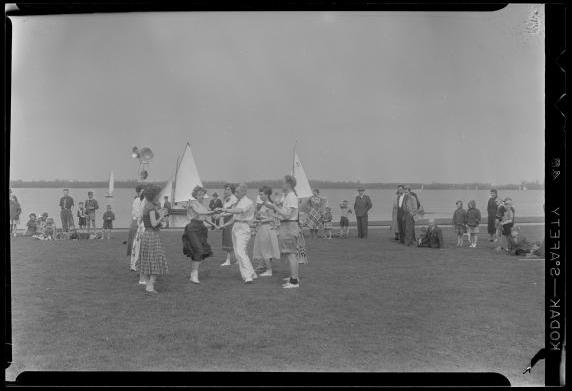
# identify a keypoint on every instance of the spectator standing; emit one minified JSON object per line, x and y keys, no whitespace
{"x":362,"y":205}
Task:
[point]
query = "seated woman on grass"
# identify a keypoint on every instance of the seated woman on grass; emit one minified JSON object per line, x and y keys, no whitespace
{"x":519,"y":245}
{"x":432,"y":236}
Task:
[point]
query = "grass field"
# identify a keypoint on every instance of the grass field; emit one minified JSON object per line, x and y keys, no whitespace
{"x":369,"y":305}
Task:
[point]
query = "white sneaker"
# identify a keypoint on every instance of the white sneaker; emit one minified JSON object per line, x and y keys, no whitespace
{"x":142,"y":283}
{"x":248,"y":281}
{"x":267,"y":273}
{"x":194,"y":280}
{"x":226,"y":263}
{"x":289,"y":285}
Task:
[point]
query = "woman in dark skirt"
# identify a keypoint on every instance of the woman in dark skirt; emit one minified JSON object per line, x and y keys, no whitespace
{"x":195,"y":245}
{"x":152,"y":261}
{"x":492,"y":207}
{"x":229,"y":200}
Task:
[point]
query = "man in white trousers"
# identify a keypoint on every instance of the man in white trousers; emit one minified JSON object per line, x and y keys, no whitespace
{"x":243,"y":216}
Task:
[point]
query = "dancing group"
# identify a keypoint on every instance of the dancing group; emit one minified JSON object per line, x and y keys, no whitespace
{"x":277,"y":232}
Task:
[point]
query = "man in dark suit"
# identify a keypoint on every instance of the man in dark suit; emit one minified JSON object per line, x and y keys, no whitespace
{"x":362,"y":206}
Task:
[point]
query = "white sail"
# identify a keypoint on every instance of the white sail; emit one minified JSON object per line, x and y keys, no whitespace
{"x":166,"y":191}
{"x":187,"y":177}
{"x":111,"y":185}
{"x":303,"y":189}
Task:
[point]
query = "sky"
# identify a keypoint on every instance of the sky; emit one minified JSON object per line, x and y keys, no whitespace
{"x":369,"y":96}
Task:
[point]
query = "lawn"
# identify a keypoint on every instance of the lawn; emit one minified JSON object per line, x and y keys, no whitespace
{"x":370,"y":305}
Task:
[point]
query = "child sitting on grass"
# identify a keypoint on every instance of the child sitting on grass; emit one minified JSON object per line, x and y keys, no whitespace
{"x":108,"y":218}
{"x":432,"y":236}
{"x":459,"y":223}
{"x":50,"y":229}
{"x":32,"y":225}
{"x":473,"y":221}
{"x":518,"y":245}
{"x":327,"y":220}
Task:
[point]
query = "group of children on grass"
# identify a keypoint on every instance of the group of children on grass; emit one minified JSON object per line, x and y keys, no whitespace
{"x":44,"y":227}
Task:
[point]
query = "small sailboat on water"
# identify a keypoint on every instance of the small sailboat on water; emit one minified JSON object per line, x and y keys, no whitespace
{"x":180,"y":188}
{"x":303,"y":188}
{"x":111,"y":186}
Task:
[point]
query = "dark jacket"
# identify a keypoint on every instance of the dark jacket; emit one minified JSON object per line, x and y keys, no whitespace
{"x":215,"y":204}
{"x":492,"y":207}
{"x":473,"y":217}
{"x":362,"y":205}
{"x":459,"y":217}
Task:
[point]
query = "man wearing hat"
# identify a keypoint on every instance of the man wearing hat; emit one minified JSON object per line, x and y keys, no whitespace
{"x":362,"y":205}
{"x":66,"y":205}
{"x":91,"y":206}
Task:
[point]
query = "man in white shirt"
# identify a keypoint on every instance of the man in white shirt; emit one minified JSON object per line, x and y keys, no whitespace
{"x":243,"y":213}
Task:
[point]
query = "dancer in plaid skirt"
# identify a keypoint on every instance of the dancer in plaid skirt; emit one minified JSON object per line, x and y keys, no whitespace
{"x":152,"y":261}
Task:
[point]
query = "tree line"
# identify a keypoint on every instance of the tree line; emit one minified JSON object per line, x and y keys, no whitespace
{"x":275,"y":183}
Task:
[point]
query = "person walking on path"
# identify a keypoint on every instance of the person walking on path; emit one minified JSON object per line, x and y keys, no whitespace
{"x":289,"y":229}
{"x":66,"y":205}
{"x":492,"y":208}
{"x":409,"y":213}
{"x":15,"y":211}
{"x":152,"y":262}
{"x":195,"y":244}
{"x":397,"y":212}
{"x":227,"y":222}
{"x":362,"y":206}
{"x":243,"y":213}
{"x":91,"y":206}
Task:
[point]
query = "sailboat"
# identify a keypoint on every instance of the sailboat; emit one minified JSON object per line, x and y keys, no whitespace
{"x":111,"y":186}
{"x":303,"y":188}
{"x":186,"y":177}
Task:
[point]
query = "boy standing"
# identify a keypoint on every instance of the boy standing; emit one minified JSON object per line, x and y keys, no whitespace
{"x":108,"y":218}
{"x":344,"y":219}
{"x":66,"y":205}
{"x":91,"y":206}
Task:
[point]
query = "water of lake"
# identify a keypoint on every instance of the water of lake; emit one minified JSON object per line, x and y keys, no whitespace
{"x":440,"y":203}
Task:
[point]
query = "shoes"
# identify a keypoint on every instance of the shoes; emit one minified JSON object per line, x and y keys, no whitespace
{"x":194,"y":280}
{"x":226,"y":263}
{"x":267,"y":273}
{"x":151,"y":292}
{"x":248,"y":281}
{"x":142,"y":283}
{"x":133,"y":269}
{"x":289,"y":285}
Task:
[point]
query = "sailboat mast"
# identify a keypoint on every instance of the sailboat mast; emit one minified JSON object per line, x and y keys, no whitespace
{"x":294,"y":158}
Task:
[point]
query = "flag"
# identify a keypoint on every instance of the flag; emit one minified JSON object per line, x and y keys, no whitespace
{"x":303,"y":189}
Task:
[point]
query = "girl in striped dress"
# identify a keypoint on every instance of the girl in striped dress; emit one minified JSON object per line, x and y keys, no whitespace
{"x":152,"y":261}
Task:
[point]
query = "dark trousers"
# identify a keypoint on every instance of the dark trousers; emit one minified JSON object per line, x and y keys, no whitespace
{"x":361,"y":226}
{"x":400,"y":225}
{"x":409,"y":227}
{"x":67,"y":219}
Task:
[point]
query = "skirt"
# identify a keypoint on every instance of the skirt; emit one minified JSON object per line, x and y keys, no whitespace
{"x":506,"y":229}
{"x":266,"y":243}
{"x":314,"y":219}
{"x":227,"y":236}
{"x":288,"y":235}
{"x":473,"y":230}
{"x":132,"y":231}
{"x":195,"y":245}
{"x":108,"y":224}
{"x":460,"y":229}
{"x":152,"y":258}
{"x":82,"y":222}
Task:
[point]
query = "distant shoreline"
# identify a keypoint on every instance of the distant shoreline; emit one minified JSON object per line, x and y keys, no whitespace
{"x":276,"y":183}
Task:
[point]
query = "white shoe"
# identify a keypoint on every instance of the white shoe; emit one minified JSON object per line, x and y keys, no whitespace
{"x":248,"y":281}
{"x":267,"y":273}
{"x":289,"y":285}
{"x":133,"y":269}
{"x":194,"y":280}
{"x":142,"y":283}
{"x":226,"y":263}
